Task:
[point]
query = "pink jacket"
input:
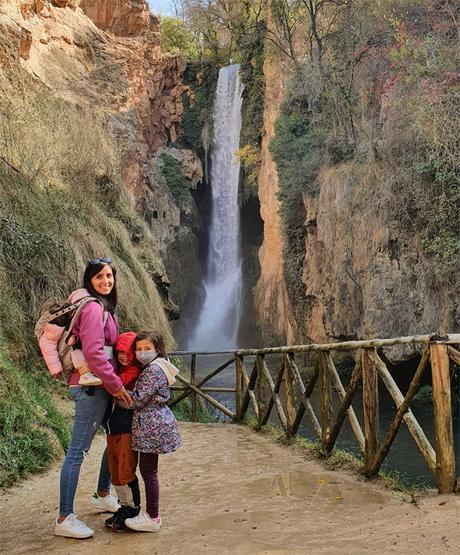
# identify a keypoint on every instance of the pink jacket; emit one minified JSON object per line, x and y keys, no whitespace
{"x":94,"y":336}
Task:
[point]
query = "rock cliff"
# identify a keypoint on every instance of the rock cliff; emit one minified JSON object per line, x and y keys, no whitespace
{"x":365,"y":274}
{"x":88,"y":107}
{"x":272,"y":304}
{"x":125,"y":18}
{"x":106,"y":56}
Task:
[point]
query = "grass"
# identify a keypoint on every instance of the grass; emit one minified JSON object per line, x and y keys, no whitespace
{"x":61,"y":202}
{"x":28,"y":445}
{"x":183,"y":411}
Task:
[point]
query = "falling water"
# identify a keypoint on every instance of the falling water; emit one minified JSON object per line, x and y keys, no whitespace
{"x":218,"y":321}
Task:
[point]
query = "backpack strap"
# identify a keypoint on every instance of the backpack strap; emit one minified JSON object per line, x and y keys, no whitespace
{"x":80,"y":305}
{"x":65,"y":310}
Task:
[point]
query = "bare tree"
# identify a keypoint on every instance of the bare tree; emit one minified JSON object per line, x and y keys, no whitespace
{"x":286,"y":16}
{"x":322,"y":18}
{"x":179,"y":9}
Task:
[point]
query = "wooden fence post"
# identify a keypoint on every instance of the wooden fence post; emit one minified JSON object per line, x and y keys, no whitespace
{"x":193,"y":382}
{"x":445,"y":458}
{"x":370,"y":409}
{"x":239,"y":385}
{"x":261,"y":402}
{"x":290,"y":397}
{"x":325,"y":400}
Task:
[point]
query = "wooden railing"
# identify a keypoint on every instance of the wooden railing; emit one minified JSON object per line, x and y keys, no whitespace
{"x":262,"y":391}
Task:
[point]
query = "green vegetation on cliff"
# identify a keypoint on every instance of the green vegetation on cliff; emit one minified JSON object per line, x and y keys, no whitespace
{"x":251,"y":48}
{"x":197,"y":123}
{"x":296,"y":151}
{"x":373,"y":90}
{"x":176,"y":181}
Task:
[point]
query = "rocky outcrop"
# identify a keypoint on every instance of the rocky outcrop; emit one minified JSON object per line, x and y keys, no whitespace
{"x":125,"y":18}
{"x":364,"y":276}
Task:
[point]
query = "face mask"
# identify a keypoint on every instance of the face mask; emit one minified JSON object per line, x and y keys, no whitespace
{"x":146,"y":357}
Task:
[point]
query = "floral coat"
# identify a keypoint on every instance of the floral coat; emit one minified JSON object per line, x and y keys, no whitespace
{"x":154,"y":427}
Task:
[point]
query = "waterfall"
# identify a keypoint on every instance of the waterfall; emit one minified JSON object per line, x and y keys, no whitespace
{"x":218,"y":322}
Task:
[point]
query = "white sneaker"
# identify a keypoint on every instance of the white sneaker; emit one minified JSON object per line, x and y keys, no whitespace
{"x":89,"y":379}
{"x":144,"y":523}
{"x":71,"y":527}
{"x":107,"y":504}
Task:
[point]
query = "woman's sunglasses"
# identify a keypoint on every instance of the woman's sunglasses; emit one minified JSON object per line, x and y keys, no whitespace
{"x":104,"y":260}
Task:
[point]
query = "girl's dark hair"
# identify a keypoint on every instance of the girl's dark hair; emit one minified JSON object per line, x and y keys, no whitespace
{"x":154,"y":337}
{"x":109,"y":301}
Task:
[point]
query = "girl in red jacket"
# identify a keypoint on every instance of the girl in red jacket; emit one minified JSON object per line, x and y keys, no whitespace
{"x":122,"y":459}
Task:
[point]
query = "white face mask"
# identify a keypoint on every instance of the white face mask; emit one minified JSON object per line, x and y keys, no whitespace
{"x":146,"y":357}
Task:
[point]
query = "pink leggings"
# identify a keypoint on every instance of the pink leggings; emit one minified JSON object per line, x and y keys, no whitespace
{"x":148,"y":465}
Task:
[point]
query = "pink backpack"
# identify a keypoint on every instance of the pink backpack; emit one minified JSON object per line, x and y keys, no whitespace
{"x":53,"y":331}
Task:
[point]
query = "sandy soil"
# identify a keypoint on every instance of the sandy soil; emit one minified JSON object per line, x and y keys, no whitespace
{"x":230,"y":490}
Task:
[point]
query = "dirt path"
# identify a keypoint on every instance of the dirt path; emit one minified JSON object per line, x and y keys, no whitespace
{"x":230,"y":490}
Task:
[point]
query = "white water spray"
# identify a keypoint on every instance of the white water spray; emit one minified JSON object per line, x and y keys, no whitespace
{"x":218,"y":321}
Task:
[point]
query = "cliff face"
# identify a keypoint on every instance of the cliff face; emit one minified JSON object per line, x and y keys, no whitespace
{"x":368,"y":201}
{"x":272,"y":304}
{"x":364,"y":274}
{"x":83,"y":114}
{"x":125,"y":18}
{"x":106,"y":56}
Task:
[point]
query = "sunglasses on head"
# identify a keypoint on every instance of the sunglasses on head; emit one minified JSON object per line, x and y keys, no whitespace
{"x":103,"y":260}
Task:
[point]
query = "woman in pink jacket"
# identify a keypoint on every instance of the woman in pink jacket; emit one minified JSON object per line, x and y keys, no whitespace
{"x":96,"y":330}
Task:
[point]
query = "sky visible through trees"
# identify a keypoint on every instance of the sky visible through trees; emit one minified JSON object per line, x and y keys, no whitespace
{"x":164,"y":7}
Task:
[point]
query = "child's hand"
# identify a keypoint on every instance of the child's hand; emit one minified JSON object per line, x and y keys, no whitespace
{"x":123,"y":397}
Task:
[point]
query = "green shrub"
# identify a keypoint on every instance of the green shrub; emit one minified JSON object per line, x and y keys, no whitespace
{"x":251,"y":158}
{"x":197,"y":122}
{"x":175,"y":180}
{"x":177,"y":40}
{"x":27,"y":444}
{"x":183,"y":410}
{"x":251,"y":49}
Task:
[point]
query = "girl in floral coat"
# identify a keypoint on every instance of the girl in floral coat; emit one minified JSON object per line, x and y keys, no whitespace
{"x":154,"y":428}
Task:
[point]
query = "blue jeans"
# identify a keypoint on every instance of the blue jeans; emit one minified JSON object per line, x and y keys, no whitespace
{"x":90,"y":411}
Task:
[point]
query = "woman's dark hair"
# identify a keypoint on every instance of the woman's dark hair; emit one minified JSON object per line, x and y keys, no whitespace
{"x":154,"y":337}
{"x":109,"y":301}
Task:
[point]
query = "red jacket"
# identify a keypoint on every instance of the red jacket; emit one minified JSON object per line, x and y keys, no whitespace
{"x":128,"y":374}
{"x":119,"y":422}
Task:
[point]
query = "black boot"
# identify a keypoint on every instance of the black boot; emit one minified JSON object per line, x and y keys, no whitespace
{"x":124,"y":513}
{"x":109,"y":521}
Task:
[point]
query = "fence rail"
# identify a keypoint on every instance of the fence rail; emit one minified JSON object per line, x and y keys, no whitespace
{"x":289,"y":394}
